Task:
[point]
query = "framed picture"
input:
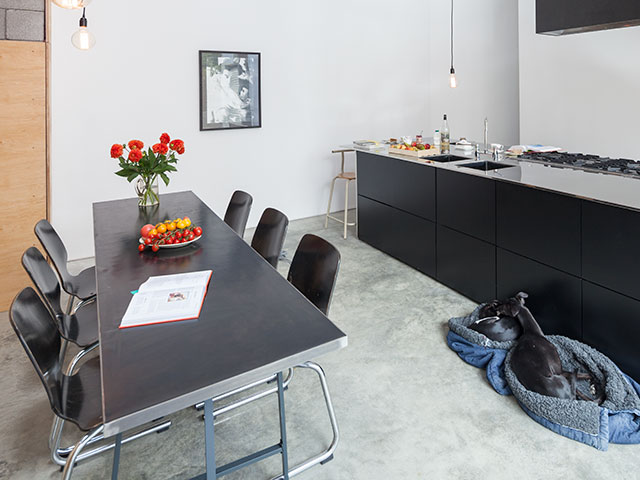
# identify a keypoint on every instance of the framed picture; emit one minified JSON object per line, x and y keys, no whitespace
{"x":229,"y":90}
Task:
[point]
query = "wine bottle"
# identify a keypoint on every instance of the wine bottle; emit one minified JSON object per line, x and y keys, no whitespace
{"x":444,"y":136}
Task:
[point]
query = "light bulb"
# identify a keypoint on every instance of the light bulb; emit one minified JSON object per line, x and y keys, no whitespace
{"x":71,"y":4}
{"x":83,"y":39}
{"x":453,"y":83}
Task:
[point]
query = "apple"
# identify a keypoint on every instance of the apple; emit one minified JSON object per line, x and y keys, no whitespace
{"x":144,"y":231}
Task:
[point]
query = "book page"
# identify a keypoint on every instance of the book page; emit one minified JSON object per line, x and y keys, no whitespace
{"x":190,"y":279}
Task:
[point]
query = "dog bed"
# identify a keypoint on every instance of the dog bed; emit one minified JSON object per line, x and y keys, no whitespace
{"x":617,"y":420}
{"x":480,"y":351}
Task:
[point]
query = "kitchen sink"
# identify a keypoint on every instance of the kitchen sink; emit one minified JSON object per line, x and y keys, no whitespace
{"x":445,"y":158}
{"x":486,"y":166}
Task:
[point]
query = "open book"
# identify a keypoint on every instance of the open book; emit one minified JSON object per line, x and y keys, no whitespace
{"x":167,"y":298}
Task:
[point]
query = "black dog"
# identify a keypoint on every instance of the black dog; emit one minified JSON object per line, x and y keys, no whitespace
{"x":495,"y":321}
{"x":536,"y":362}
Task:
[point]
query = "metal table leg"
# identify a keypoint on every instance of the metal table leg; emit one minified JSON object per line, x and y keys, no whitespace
{"x":116,"y":457}
{"x":209,"y":440}
{"x":283,"y":428}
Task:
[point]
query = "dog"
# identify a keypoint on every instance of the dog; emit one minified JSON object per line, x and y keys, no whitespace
{"x":536,"y":362}
{"x":495,"y":322}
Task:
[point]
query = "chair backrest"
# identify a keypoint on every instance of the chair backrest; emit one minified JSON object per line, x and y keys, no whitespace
{"x":55,"y":249}
{"x":44,"y":279}
{"x":39,"y":336}
{"x":238,"y":211}
{"x":269,"y":236}
{"x":314,"y":270}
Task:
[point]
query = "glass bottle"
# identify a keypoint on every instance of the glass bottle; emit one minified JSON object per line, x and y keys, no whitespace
{"x":444,"y":136}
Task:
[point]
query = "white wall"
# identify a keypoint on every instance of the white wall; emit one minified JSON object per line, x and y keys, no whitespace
{"x":486,"y":63}
{"x":580,"y":92}
{"x":332,"y":72}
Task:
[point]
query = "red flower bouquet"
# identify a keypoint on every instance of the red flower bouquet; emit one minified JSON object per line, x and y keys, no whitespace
{"x":148,"y":165}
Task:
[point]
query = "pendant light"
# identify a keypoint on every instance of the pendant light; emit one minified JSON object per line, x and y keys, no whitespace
{"x":453,"y":83}
{"x":83,"y":39}
{"x":71,"y":4}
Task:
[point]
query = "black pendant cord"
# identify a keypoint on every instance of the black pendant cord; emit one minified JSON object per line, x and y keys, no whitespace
{"x":83,"y":20}
{"x":452,"y":35}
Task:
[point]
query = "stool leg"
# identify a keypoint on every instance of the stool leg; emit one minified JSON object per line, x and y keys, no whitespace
{"x":346,"y":206}
{"x":326,"y":220}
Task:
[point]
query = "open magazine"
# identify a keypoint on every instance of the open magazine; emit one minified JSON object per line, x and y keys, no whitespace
{"x":167,"y":298}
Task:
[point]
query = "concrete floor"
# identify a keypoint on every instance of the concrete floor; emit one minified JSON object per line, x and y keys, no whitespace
{"x":407,"y":406}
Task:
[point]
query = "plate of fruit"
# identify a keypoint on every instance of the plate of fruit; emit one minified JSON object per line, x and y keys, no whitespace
{"x":414,"y":149}
{"x":169,"y":234}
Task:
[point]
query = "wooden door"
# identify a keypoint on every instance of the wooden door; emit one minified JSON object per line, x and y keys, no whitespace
{"x":23,"y":157}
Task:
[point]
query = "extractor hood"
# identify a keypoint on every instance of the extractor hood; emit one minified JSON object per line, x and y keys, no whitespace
{"x":563,"y":17}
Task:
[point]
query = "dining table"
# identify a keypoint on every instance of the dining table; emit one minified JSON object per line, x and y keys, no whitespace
{"x":253,"y":325}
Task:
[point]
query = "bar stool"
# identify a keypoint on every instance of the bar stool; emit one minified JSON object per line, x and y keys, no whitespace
{"x":349,"y":177}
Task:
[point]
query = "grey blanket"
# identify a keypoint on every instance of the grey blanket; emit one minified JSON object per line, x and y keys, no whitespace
{"x":576,"y":414}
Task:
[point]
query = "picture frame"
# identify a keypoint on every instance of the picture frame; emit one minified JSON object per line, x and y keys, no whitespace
{"x":230,"y":91}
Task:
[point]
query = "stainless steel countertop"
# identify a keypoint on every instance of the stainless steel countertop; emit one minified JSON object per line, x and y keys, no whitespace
{"x":602,"y":187}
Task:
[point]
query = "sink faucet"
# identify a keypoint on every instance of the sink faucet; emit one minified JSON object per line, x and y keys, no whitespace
{"x":486,"y":135}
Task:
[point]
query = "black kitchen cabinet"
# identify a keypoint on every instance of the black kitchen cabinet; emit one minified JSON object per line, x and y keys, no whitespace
{"x":610,"y":236}
{"x":540,"y":225}
{"x":611,"y":325}
{"x":489,"y":238}
{"x":554,"y":297}
{"x":398,"y":183}
{"x":408,"y":238}
{"x":467,"y":203}
{"x":466,"y":264}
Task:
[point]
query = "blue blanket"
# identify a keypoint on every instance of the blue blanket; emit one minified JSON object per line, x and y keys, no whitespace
{"x":598,"y":425}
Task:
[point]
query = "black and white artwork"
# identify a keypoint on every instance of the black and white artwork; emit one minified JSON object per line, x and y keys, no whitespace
{"x":229,"y":90}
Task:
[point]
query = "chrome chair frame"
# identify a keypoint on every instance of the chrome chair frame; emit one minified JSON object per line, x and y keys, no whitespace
{"x":68,"y":457}
{"x":327,"y":454}
{"x":249,"y":399}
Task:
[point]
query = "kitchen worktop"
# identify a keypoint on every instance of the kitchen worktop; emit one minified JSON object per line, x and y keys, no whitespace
{"x":602,"y":187}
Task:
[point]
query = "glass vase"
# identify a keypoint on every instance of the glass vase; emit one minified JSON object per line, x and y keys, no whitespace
{"x":147,"y":191}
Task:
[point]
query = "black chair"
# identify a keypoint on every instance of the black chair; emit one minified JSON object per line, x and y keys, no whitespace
{"x":238,"y":211}
{"x":74,"y":397}
{"x":314,"y":270}
{"x":269,"y":236}
{"x":80,"y":326}
{"x":83,"y":285}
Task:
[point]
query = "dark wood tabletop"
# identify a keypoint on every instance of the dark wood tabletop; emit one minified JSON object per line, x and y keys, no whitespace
{"x":253,"y":322}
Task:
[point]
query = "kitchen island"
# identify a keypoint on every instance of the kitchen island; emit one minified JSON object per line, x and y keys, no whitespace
{"x":566,"y":237}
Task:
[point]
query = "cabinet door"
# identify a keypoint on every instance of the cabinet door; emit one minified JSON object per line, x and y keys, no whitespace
{"x":609,"y":247}
{"x":612,"y":325}
{"x":398,"y":183}
{"x":406,"y":237}
{"x":23,"y":156}
{"x":466,"y":264}
{"x":467,"y":203}
{"x":539,"y":225}
{"x":554,"y":296}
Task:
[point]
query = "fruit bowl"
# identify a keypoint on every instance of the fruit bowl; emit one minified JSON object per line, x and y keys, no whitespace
{"x":168,"y":234}
{"x":173,"y":245}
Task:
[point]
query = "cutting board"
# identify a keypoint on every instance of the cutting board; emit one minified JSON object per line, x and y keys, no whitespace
{"x":419,"y":154}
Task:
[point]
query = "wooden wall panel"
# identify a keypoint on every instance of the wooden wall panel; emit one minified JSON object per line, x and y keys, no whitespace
{"x":23,"y":157}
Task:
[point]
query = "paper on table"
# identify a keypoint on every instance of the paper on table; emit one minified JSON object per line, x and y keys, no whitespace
{"x":167,"y":298}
